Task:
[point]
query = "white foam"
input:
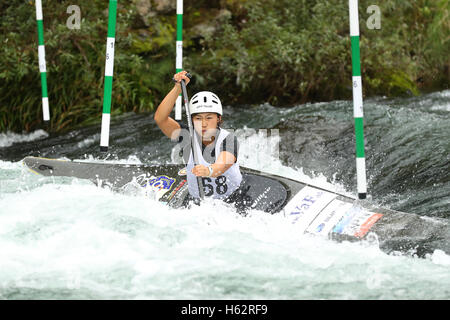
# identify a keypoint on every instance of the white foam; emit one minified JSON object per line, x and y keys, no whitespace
{"x":9,"y":138}
{"x":88,"y":141}
{"x":71,"y":237}
{"x":439,"y":257}
{"x":132,"y":159}
{"x":259,"y":150}
{"x":445,"y":107}
{"x":8,"y":165}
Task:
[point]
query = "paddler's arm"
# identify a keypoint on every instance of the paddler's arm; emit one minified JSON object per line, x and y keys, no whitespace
{"x":162,"y":114}
{"x":222,"y":164}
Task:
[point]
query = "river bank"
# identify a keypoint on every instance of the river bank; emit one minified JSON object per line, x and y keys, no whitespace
{"x":248,"y":52}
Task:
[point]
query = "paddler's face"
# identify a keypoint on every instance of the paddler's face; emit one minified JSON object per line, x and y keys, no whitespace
{"x":205,"y":124}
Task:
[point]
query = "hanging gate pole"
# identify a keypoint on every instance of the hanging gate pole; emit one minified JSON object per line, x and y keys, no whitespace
{"x":42,"y":65}
{"x":357,"y":100}
{"x":179,"y":54}
{"x":109,"y":68}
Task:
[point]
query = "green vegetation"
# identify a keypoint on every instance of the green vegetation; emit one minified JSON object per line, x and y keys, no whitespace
{"x":281,"y":51}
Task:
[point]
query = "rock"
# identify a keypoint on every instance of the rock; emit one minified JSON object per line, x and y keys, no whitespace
{"x":210,"y":26}
{"x":165,"y":6}
{"x":147,"y":9}
{"x":143,"y":8}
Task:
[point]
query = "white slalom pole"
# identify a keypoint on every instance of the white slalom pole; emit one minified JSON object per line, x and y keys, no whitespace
{"x":42,"y":64}
{"x":179,"y":54}
{"x":109,"y":67}
{"x":357,"y":100}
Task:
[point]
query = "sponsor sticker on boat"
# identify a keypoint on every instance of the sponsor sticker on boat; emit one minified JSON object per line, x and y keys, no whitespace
{"x":159,"y":184}
{"x":176,"y":190}
{"x":367,"y":225}
{"x":329,"y":217}
{"x":345,"y":220}
{"x":357,"y":222}
{"x":306,"y":205}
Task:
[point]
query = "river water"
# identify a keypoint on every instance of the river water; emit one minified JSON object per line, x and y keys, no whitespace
{"x":63,"y":238}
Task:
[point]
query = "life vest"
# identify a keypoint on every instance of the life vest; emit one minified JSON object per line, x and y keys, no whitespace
{"x":219,"y":187}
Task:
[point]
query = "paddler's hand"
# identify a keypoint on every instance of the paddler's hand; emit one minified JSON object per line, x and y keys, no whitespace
{"x":200,"y":171}
{"x":181,"y":76}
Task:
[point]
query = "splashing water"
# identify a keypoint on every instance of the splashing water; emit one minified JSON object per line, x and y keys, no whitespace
{"x":64,"y":238}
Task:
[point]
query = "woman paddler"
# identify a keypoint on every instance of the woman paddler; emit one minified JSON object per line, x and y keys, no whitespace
{"x":217,"y":153}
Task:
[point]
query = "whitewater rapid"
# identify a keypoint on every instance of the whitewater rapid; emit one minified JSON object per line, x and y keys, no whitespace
{"x":64,"y":238}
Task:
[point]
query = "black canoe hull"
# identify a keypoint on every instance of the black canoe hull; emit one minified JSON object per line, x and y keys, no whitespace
{"x":313,"y":210}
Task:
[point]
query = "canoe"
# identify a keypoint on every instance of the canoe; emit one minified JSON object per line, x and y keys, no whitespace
{"x":313,"y":210}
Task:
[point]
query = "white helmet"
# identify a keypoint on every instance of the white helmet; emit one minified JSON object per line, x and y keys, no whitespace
{"x":205,"y":101}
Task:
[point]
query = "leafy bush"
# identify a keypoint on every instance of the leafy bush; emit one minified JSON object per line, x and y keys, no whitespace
{"x":248,"y":51}
{"x":288,"y":52}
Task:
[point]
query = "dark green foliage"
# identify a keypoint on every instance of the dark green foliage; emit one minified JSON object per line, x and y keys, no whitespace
{"x":287,"y":52}
{"x":248,"y":51}
{"x":75,"y":66}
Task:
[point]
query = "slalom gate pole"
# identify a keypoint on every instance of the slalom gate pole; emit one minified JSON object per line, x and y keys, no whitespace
{"x":357,"y":100}
{"x":192,"y":135}
{"x":42,"y":65}
{"x":179,"y":54}
{"x":109,"y":68}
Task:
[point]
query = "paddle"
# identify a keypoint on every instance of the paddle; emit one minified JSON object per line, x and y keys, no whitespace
{"x":191,"y":133}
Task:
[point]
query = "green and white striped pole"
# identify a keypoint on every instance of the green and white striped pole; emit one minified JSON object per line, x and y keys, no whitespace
{"x":179,"y":54}
{"x":42,"y":65}
{"x":357,"y":100}
{"x":109,"y":67}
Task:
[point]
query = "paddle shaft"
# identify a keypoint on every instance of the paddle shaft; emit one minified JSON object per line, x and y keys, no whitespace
{"x":191,"y":133}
